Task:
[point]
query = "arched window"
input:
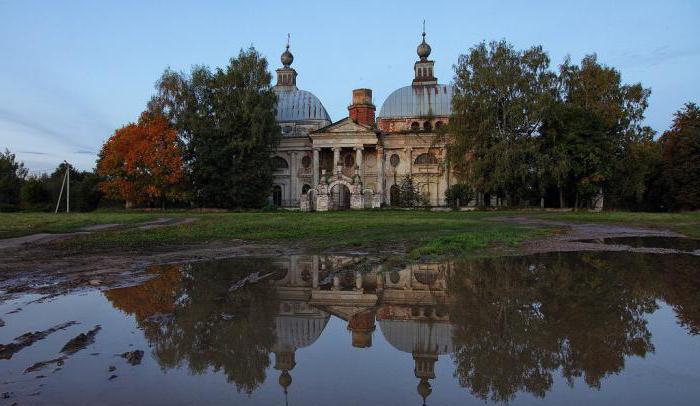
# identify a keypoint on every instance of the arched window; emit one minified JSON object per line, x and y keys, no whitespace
{"x":438,"y":125}
{"x":415,"y":126}
{"x":427,"y":126}
{"x":279,"y":164}
{"x":426,"y":159}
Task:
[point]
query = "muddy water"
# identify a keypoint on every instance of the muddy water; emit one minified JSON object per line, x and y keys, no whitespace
{"x":576,"y":328}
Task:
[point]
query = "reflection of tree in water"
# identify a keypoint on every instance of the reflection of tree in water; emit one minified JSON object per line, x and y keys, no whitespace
{"x":211,"y":327}
{"x":517,"y":320}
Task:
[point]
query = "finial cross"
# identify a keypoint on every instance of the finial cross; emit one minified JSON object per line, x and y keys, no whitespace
{"x":288,"y":40}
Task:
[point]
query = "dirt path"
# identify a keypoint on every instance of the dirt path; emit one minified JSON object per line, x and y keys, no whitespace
{"x":45,"y":238}
{"x":588,"y":237}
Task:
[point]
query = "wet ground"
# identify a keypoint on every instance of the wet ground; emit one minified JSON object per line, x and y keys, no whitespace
{"x":577,"y":328}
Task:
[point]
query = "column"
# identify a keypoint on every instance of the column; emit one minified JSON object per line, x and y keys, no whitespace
{"x":409,"y":155}
{"x":314,"y":276}
{"x":315,"y":167}
{"x":358,"y":162}
{"x":336,"y":158}
{"x":380,"y":173}
{"x":294,"y":194}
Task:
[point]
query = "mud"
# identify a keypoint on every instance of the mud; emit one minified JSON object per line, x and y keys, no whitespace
{"x":27,"y":339}
{"x":596,"y":237}
{"x":80,"y":341}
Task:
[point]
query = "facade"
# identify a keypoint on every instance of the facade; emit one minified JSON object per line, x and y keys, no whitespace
{"x":360,"y":160}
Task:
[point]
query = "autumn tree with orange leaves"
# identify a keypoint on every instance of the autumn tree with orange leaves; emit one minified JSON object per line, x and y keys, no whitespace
{"x":141,"y":163}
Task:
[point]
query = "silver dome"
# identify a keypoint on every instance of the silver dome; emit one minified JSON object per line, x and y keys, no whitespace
{"x":299,"y":105}
{"x":418,"y":101}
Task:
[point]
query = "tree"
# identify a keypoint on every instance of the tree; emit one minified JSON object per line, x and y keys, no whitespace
{"x":458,"y":195}
{"x":141,"y":163}
{"x":34,"y":194}
{"x":226,"y":118}
{"x":500,"y":101}
{"x":409,"y":195}
{"x":607,"y":121}
{"x":681,"y":159}
{"x":12,"y":174}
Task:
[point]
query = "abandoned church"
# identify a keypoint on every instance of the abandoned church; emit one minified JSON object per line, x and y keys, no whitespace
{"x":360,"y":160}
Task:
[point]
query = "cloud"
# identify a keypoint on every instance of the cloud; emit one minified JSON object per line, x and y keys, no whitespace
{"x":657,"y":56}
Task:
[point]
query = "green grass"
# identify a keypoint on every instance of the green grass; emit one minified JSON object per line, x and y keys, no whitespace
{"x":420,"y":233}
{"x":24,"y":223}
{"x":426,"y":233}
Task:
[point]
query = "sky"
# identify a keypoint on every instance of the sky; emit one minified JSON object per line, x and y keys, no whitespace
{"x":72,"y":72}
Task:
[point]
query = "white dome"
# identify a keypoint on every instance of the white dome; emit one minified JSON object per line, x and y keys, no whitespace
{"x":418,"y":101}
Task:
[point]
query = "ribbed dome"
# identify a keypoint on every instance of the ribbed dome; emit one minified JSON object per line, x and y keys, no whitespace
{"x":294,"y":332}
{"x":418,"y":336}
{"x":418,"y":101}
{"x":299,"y":105}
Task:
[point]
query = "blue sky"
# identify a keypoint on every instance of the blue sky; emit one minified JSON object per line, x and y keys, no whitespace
{"x":71,"y":72}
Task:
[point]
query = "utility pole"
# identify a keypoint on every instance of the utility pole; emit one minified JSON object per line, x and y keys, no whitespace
{"x":64,"y":183}
{"x":67,"y":187}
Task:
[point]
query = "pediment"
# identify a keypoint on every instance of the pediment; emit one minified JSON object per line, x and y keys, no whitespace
{"x":344,"y":126}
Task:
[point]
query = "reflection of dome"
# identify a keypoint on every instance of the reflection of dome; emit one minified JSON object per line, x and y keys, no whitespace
{"x":294,"y":332}
{"x":418,"y":101}
{"x":299,"y":105}
{"x":418,"y":337}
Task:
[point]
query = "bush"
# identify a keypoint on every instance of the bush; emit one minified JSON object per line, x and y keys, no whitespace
{"x":459,"y":195}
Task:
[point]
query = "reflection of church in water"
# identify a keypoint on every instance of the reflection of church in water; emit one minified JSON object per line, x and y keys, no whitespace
{"x":409,"y":305}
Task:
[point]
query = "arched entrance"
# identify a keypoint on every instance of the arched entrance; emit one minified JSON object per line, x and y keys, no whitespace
{"x":394,"y":195}
{"x":277,"y":195}
{"x":340,"y":197}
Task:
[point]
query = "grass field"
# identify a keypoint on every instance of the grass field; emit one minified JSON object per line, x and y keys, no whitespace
{"x":422,"y":233}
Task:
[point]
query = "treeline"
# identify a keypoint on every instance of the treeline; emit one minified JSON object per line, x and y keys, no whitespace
{"x":529,"y":135}
{"x":21,"y":191}
{"x":521,"y":134}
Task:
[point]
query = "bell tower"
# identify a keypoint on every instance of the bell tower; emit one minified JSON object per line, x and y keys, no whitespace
{"x":286,"y":76}
{"x":424,"y":74}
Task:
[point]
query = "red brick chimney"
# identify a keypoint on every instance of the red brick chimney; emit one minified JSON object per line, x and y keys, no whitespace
{"x":362,"y":110}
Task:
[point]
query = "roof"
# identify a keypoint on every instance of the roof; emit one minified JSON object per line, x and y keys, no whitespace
{"x":299,"y":105}
{"x":418,"y":336}
{"x":418,"y":101}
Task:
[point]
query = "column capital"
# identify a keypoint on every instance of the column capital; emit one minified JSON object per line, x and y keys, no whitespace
{"x":358,"y":147}
{"x":408,"y":149}
{"x":317,"y":149}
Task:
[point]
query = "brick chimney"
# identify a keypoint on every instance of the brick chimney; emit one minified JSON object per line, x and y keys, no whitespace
{"x":362,"y":110}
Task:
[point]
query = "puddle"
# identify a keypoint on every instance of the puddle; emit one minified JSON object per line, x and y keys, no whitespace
{"x":568,"y":328}
{"x":672,"y":243}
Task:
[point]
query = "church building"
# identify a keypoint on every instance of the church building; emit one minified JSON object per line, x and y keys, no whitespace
{"x":361,"y":160}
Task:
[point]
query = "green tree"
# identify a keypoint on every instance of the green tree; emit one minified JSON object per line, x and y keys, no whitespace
{"x":409,"y":195}
{"x":12,"y":174}
{"x":501,"y":98}
{"x":600,"y":121}
{"x":681,"y":159}
{"x":226,"y":119}
{"x":34,"y":194}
